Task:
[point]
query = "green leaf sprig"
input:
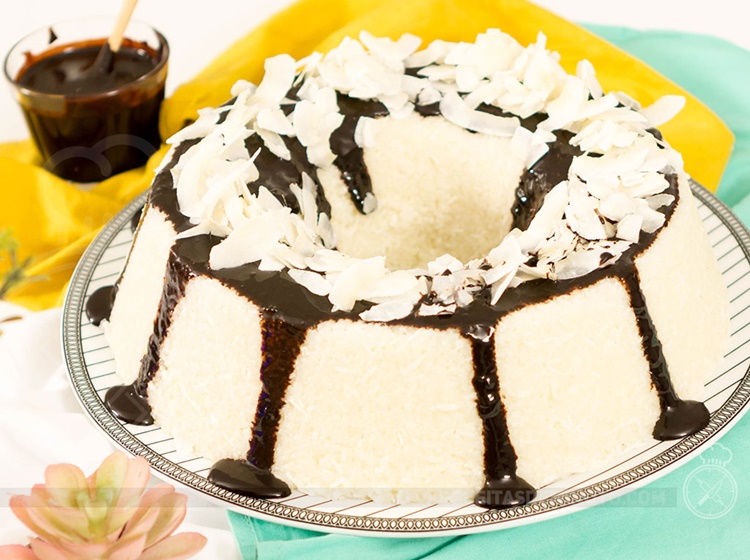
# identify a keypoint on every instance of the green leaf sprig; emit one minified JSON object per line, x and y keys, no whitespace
{"x":16,"y":274}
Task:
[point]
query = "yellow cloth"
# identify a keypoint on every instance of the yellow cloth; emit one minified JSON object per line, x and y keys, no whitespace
{"x":54,"y":221}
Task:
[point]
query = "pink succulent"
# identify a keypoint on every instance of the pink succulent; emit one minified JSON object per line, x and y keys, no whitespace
{"x":104,"y":516}
{"x":16,"y":552}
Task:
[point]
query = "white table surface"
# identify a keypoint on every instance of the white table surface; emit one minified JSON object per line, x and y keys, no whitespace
{"x":40,"y":421}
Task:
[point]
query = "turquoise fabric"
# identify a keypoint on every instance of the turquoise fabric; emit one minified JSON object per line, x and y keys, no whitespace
{"x":654,"y":521}
{"x":716,"y":72}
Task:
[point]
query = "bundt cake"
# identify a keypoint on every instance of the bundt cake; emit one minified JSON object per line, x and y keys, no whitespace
{"x":449,"y":274}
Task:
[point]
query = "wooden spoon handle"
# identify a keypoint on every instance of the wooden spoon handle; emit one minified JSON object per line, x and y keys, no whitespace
{"x":115,"y":39}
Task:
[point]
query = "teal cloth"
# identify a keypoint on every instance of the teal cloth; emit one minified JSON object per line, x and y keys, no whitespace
{"x":654,"y":521}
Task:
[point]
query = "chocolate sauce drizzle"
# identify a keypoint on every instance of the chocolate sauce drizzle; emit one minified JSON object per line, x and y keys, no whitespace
{"x":289,"y":309}
{"x":127,"y":404}
{"x":131,"y":405}
{"x":280,"y":348}
{"x":678,"y":418}
{"x":541,"y":177}
{"x":245,"y":478}
{"x":99,"y":305}
{"x":350,"y":158}
{"x":502,"y":487}
{"x":136,"y":219}
{"x":124,"y":401}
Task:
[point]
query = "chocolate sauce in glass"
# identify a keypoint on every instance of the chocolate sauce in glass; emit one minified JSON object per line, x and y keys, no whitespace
{"x":289,"y":310}
{"x":103,"y":123}
{"x":72,"y":70}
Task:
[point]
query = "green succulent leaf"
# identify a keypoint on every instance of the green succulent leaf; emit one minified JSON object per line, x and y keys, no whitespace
{"x":16,"y":273}
{"x":8,"y":243}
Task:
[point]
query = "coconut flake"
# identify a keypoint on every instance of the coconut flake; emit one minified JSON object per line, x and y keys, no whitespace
{"x":613,"y":192}
{"x":314,"y":120}
{"x":577,"y":264}
{"x":328,"y":261}
{"x":618,"y":205}
{"x":274,"y":120}
{"x":467,"y":78}
{"x":206,"y":227}
{"x":325,"y":231}
{"x":442,"y":289}
{"x":455,"y":110}
{"x":463,"y":298}
{"x":385,"y":312}
{"x":531,"y":146}
{"x":274,"y":143}
{"x":663,"y":109}
{"x":432,"y":310}
{"x":364,"y":133}
{"x":399,"y":106}
{"x":313,"y":281}
{"x":277,"y":80}
{"x":566,"y":107}
{"x":443,"y":264}
{"x":390,"y":53}
{"x":657,"y":201}
{"x":369,"y":204}
{"x":652,"y":220}
{"x":189,"y":175}
{"x":543,"y":224}
{"x":248,"y":243}
{"x":502,"y":283}
{"x":585,"y":71}
{"x":506,"y":260}
{"x":629,"y":228}
{"x":434,"y":53}
{"x":357,"y":277}
{"x":583,"y":219}
{"x":240,"y":88}
{"x":207,"y":119}
{"x":393,"y":285}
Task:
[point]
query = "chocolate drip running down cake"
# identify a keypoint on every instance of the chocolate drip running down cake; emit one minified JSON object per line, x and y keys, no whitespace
{"x":447,"y":274}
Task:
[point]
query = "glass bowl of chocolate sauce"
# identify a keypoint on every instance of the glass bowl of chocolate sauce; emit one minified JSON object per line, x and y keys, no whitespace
{"x":92,"y":113}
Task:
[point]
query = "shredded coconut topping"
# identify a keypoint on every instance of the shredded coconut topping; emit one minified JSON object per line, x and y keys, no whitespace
{"x":613,"y":192}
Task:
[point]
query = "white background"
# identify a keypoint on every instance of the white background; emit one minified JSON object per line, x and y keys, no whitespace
{"x":198,"y":31}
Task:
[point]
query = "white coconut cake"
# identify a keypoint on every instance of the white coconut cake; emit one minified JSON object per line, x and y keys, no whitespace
{"x":440,"y":315}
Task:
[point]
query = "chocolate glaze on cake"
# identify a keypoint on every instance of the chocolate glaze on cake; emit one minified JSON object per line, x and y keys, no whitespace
{"x":129,"y":405}
{"x":502,"y":487}
{"x":289,"y":310}
{"x":99,"y":304}
{"x":280,"y":347}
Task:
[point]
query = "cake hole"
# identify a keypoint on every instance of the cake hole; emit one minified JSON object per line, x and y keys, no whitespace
{"x":439,"y":189}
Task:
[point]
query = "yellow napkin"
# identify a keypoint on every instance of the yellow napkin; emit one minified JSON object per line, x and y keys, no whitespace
{"x":53,"y":221}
